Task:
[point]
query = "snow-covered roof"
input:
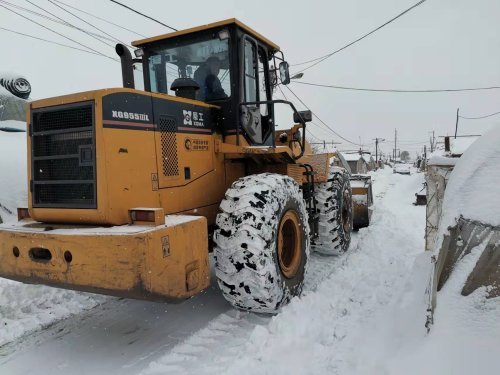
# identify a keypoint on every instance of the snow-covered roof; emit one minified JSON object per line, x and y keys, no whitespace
{"x":351,"y":157}
{"x":367,"y":157}
{"x":459,"y":145}
{"x":472,"y":190}
{"x":441,"y":159}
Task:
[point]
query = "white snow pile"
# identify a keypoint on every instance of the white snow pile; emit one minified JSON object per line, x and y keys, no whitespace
{"x":24,"y":308}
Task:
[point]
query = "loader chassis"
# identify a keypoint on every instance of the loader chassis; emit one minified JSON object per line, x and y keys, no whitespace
{"x":103,"y":163}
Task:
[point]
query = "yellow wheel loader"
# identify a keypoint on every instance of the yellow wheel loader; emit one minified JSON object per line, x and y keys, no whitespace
{"x":130,"y":189}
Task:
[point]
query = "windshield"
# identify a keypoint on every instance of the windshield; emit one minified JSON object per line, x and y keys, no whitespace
{"x":206,"y":61}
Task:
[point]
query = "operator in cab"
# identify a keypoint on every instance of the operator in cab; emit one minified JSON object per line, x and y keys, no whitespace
{"x":207,"y":76}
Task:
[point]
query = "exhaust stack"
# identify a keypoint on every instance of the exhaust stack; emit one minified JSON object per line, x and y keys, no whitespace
{"x":127,"y":66}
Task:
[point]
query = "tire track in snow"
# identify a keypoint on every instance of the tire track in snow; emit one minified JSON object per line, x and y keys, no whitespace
{"x":214,"y":349}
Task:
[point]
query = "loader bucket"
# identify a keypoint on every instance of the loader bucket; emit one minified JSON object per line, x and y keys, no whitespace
{"x":362,"y":200}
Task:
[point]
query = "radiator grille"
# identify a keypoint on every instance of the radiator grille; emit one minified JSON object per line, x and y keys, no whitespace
{"x":168,"y":129}
{"x":63,"y":156}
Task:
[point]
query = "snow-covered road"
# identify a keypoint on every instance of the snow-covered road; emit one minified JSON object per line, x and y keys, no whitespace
{"x":318,"y":333}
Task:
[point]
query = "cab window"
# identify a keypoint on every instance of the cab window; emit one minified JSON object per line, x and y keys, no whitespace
{"x":205,"y":60}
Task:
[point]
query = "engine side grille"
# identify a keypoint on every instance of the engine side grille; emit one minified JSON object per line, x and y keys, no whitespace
{"x":63,"y":156}
{"x":168,"y":129}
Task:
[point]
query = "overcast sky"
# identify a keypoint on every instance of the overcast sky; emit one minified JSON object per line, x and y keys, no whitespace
{"x":440,"y":44}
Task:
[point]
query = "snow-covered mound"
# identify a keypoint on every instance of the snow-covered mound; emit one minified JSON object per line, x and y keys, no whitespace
{"x":24,"y":308}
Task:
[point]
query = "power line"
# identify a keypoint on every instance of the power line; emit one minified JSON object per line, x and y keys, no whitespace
{"x":88,"y":23}
{"x":412,"y":143}
{"x":323,"y":58}
{"x":69,"y":24}
{"x":59,"y":21}
{"x":480,"y":117}
{"x":398,"y":90}
{"x":50,"y":41}
{"x":102,"y":19}
{"x":64,"y":36}
{"x":142,"y":14}
{"x":321,"y":121}
{"x":307,"y":129}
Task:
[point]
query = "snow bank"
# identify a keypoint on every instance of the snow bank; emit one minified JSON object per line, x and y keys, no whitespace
{"x":26,"y":308}
{"x":465,"y":336}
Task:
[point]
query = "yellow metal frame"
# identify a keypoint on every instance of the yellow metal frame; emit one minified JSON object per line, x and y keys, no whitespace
{"x":213,"y":25}
{"x":167,"y":262}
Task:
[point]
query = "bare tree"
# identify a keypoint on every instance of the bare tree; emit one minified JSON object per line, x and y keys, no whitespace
{"x":405,"y":156}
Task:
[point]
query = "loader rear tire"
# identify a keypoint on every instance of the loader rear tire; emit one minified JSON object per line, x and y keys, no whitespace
{"x":334,"y":204}
{"x":261,"y":242}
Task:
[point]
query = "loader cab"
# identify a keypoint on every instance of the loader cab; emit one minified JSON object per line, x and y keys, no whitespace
{"x":226,"y":64}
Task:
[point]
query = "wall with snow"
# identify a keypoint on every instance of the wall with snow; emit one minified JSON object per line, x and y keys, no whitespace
{"x":470,"y":223}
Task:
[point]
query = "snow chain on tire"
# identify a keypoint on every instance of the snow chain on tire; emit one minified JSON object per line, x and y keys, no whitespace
{"x":334,"y":204}
{"x":261,"y":216}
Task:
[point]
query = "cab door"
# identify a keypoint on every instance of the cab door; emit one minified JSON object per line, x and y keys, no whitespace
{"x":256,"y":120}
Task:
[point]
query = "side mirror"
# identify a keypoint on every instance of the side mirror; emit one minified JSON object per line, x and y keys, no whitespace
{"x":302,"y":116}
{"x":284,"y":73}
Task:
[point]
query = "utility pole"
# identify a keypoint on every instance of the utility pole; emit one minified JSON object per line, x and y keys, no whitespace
{"x":456,"y":124}
{"x":377,"y":140}
{"x":395,"y":141}
{"x":432,"y":141}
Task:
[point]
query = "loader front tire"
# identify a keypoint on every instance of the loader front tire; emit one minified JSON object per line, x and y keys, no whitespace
{"x":261,"y":242}
{"x":334,"y":205}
